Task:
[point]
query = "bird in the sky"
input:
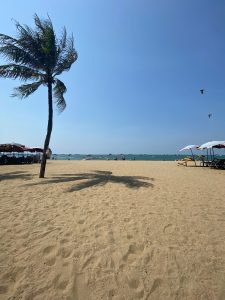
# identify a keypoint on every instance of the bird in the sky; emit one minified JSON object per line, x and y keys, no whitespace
{"x":202,"y":91}
{"x":209,"y":115}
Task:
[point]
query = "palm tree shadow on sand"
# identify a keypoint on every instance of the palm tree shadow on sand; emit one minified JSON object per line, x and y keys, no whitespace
{"x":15,"y":175}
{"x":98,"y":178}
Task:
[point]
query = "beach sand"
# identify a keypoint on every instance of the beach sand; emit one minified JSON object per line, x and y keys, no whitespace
{"x":112,"y":230}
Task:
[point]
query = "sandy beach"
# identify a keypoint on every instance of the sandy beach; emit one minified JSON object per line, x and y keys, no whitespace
{"x":112,"y":230}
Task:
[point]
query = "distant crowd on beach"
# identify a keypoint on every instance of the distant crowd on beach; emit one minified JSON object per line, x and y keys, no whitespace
{"x":14,"y":154}
{"x":19,"y":159}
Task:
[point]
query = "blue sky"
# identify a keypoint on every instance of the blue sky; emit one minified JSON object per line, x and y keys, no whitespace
{"x":135,"y":86}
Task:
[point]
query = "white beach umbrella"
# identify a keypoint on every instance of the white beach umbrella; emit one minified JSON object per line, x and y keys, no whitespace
{"x":204,"y":146}
{"x":211,"y":145}
{"x":216,"y":144}
{"x":190,"y":147}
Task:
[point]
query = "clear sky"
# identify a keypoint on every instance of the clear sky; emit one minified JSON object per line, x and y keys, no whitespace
{"x":135,"y":86}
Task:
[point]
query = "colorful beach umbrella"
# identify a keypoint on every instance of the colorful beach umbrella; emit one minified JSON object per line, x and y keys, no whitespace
{"x":11,"y":148}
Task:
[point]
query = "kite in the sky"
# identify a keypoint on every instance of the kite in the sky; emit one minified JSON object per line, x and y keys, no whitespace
{"x":202,"y":91}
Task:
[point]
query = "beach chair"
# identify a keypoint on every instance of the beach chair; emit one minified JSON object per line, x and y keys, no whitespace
{"x":185,"y":161}
{"x":204,"y":162}
{"x":218,"y":164}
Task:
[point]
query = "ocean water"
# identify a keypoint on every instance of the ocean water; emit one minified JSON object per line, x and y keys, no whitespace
{"x":165,"y":157}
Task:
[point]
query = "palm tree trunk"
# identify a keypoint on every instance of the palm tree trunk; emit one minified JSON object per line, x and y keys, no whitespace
{"x":49,"y":131}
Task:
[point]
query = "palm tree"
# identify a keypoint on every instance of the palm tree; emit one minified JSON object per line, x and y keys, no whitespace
{"x":37,"y":55}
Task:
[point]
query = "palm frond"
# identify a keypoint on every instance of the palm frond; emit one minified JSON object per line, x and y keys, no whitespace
{"x":5,"y":39}
{"x":40,"y":43}
{"x":14,"y":53}
{"x":15,"y":71}
{"x":30,"y":41}
{"x":17,"y":50}
{"x":58,"y":90}
{"x":45,"y":31}
{"x":66,"y":58}
{"x":26,"y":90}
{"x":63,"y":39}
{"x":27,"y":42}
{"x":39,"y":48}
{"x":41,"y":25}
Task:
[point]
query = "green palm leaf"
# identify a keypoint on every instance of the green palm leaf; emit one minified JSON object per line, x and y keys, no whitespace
{"x":59,"y":90}
{"x":66,"y":55}
{"x":15,"y":50}
{"x":26,"y":90}
{"x":15,"y":71}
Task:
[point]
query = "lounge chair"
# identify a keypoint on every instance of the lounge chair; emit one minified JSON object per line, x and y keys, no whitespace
{"x":204,"y":162}
{"x":185,"y":161}
{"x":218,"y":164}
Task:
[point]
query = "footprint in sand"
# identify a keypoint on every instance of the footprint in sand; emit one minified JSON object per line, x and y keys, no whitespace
{"x":66,"y":252}
{"x":64,"y":241}
{"x":68,"y":234}
{"x":168,"y":228}
{"x":47,"y":250}
{"x":109,"y":236}
{"x":156,"y":284}
{"x":136,"y":285}
{"x":65,"y":248}
{"x":50,"y":261}
{"x":50,"y":255}
{"x":59,"y":282}
{"x":132,"y":251}
{"x":63,"y":284}
{"x":133,"y":282}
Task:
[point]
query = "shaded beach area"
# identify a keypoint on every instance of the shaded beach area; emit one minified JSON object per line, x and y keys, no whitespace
{"x":112,"y":230}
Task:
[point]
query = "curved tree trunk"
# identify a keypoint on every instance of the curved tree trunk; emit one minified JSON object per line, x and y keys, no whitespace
{"x":49,"y":131}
